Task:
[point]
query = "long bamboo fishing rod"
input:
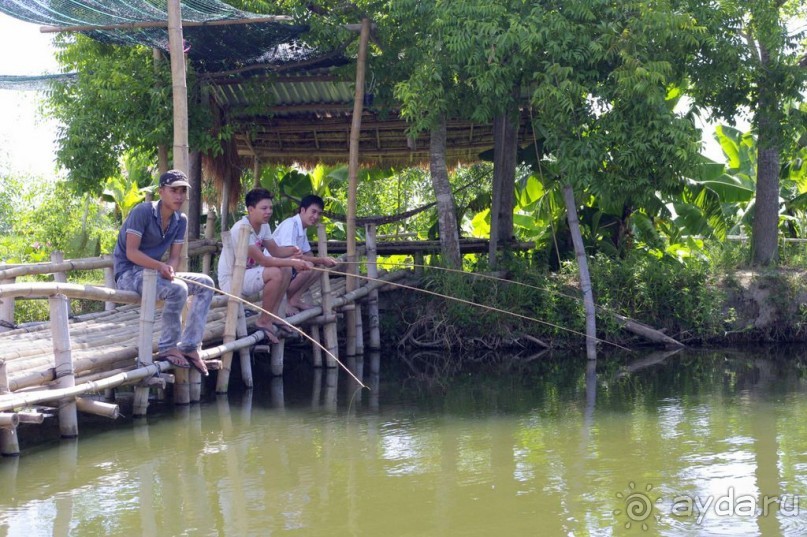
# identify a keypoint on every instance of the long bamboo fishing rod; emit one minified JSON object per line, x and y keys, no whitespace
{"x":613,"y":312}
{"x":273,"y":316}
{"x":483,"y":276}
{"x":467,"y":302}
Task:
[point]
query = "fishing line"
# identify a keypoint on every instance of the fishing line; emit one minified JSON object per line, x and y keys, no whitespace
{"x":468,"y":302}
{"x":272,"y":315}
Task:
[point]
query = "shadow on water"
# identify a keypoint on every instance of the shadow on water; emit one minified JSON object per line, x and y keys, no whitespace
{"x":547,"y":444}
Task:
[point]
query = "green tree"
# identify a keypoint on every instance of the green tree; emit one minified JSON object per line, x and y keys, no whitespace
{"x":752,"y":62}
{"x":119,"y":102}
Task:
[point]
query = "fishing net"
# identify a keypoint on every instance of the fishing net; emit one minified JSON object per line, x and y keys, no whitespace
{"x":211,"y":47}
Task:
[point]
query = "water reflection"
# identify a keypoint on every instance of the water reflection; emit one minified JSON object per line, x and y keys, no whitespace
{"x":547,"y":445}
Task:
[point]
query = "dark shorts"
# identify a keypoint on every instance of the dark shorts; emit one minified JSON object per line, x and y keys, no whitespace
{"x":294,"y":273}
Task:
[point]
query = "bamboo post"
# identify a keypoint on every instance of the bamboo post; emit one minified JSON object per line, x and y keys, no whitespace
{"x":179,"y":87}
{"x":233,"y":307}
{"x":278,"y":353}
{"x":65,"y":376}
{"x":246,"y":357}
{"x":359,"y":331}
{"x":316,"y":354}
{"x":329,"y":330}
{"x":353,"y":173}
{"x":331,"y":390}
{"x":6,"y":306}
{"x":418,"y":257}
{"x":9,"y":420}
{"x":210,"y":232}
{"x":9,"y":444}
{"x":148,"y":307}
{"x":372,"y":302}
{"x":60,"y":277}
{"x":109,"y":281}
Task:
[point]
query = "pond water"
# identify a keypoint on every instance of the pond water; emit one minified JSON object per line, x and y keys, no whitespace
{"x":695,"y":443}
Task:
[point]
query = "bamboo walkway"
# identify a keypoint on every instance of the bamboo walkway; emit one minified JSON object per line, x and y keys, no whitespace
{"x":67,"y":366}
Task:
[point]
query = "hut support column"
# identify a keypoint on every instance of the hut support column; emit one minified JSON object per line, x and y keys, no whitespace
{"x":330,"y":340}
{"x":372,"y":302}
{"x":9,"y":444}
{"x":353,"y":171}
{"x":65,"y":375}
{"x":145,"y":345}
{"x":233,"y":306}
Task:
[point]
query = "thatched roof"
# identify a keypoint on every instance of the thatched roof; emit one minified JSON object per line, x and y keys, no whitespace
{"x":307,"y":119}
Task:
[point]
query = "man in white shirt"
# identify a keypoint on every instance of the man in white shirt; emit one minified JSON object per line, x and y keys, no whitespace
{"x":269,"y":266}
{"x":291,"y":232}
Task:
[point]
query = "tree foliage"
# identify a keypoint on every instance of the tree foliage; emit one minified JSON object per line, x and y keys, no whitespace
{"x":120,"y":102}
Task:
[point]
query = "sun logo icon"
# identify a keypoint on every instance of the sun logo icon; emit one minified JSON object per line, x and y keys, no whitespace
{"x":639,"y":506}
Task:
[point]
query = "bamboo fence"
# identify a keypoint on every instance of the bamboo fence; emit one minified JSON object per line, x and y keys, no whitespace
{"x":66,"y":363}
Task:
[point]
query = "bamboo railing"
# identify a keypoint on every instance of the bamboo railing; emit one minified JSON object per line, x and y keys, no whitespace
{"x":67,"y":362}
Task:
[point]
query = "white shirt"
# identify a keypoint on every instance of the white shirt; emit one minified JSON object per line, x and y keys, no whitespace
{"x":290,"y":232}
{"x":227,"y":257}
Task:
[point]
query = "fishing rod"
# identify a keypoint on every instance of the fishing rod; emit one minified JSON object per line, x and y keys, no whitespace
{"x":467,"y":302}
{"x":278,"y":318}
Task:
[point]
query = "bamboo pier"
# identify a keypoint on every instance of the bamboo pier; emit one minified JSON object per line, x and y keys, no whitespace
{"x":71,"y":365}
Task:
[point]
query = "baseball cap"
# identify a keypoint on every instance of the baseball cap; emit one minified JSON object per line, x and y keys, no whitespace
{"x":174,"y":178}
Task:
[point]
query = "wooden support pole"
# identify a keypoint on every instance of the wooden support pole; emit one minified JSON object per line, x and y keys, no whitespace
{"x":372,"y":302}
{"x":316,"y":352}
{"x":109,"y":281}
{"x":210,"y":232}
{"x":9,"y":444}
{"x":277,"y":355}
{"x":179,"y":92}
{"x":330,"y":338}
{"x":353,"y":174}
{"x":6,"y":306}
{"x":246,"y":357}
{"x":9,"y":420}
{"x":233,"y":306}
{"x":418,"y":257}
{"x":65,"y":376}
{"x":57,"y":257}
{"x":359,"y":331}
{"x":145,"y":345}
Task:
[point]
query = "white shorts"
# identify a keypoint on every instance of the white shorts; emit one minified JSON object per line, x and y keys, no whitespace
{"x":253,"y":282}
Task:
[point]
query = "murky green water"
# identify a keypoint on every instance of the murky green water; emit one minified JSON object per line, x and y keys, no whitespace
{"x":694,"y":444}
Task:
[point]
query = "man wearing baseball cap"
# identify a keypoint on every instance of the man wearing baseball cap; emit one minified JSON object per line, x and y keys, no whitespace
{"x":151,"y":229}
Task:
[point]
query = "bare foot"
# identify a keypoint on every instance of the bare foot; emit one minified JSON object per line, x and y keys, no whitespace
{"x":269,"y":333}
{"x":300,"y":306}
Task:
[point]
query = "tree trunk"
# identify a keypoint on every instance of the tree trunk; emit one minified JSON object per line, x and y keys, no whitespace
{"x":195,"y":195}
{"x":446,"y":211}
{"x":765,"y":227}
{"x":505,"y":145}
{"x":582,"y":267}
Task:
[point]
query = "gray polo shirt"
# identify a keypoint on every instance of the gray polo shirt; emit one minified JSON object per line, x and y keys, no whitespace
{"x":144,"y":221}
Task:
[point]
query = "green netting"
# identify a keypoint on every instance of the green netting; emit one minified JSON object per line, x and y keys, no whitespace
{"x":211,"y":48}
